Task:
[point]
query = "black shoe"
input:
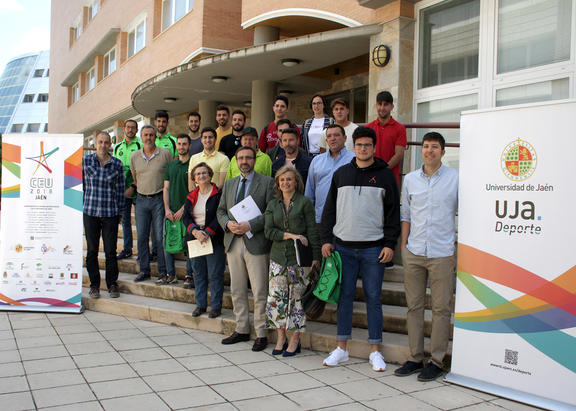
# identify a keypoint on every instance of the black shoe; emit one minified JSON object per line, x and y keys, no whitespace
{"x":236,"y":338}
{"x":214,"y":313}
{"x":198,"y":312}
{"x":141,"y":277}
{"x":94,"y":292}
{"x":430,"y":372}
{"x":292,"y":353}
{"x":409,"y":368}
{"x":113,"y":291}
{"x":188,"y":283}
{"x":260,"y":344}
{"x":278,"y":352}
{"x":124,"y":254}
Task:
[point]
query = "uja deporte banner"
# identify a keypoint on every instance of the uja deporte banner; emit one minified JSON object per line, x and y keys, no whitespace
{"x":41,"y":223}
{"x":515,"y":316}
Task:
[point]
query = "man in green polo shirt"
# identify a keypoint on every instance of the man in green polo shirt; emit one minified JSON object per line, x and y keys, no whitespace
{"x":123,"y":151}
{"x":175,"y":192}
{"x":263,"y":163}
{"x":164,"y":139}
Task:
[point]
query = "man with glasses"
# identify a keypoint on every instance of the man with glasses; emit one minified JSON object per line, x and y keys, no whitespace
{"x":247,"y":252}
{"x":361,"y":220}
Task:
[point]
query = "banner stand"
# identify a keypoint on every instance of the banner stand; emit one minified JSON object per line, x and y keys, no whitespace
{"x":509,"y":393}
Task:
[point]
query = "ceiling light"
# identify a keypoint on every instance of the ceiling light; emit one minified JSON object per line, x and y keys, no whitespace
{"x":247,"y":103}
{"x":170,"y":99}
{"x":290,"y":62}
{"x":219,"y":79}
{"x":286,"y":92}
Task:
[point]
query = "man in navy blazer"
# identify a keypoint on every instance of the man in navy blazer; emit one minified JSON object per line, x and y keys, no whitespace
{"x":247,"y":257}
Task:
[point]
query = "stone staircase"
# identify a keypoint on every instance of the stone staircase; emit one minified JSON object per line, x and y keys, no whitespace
{"x":172,"y":304}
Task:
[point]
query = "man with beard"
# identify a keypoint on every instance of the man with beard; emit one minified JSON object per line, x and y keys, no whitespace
{"x":263,"y":163}
{"x":148,"y":166}
{"x":230,"y":143}
{"x":164,"y":139}
{"x":269,"y":137}
{"x":194,"y":119}
{"x":223,"y":120}
{"x":291,"y":156}
{"x":247,"y":257}
{"x":217,"y":161}
{"x":123,"y":151}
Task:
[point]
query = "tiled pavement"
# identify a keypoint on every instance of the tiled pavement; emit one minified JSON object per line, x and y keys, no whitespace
{"x":95,"y":361}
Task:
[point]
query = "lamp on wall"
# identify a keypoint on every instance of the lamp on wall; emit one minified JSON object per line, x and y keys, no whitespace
{"x":290,"y":62}
{"x":219,"y":79}
{"x":381,"y":55}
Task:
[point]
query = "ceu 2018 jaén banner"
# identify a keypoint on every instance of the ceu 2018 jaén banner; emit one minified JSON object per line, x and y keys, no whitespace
{"x":41,"y":223}
{"x":515,"y":316}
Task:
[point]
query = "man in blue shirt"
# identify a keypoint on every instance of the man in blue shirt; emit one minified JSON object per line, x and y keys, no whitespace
{"x":324,"y":165}
{"x":103,"y":180}
{"x":429,"y":205}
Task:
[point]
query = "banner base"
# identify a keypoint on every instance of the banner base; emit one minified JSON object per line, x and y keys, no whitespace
{"x":47,"y":309}
{"x":508,"y":393}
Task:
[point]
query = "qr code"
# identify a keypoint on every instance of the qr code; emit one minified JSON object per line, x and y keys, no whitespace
{"x":511,"y":357}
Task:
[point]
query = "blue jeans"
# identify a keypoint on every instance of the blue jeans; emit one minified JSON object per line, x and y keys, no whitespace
{"x":150,"y":213}
{"x":127,"y":223}
{"x":209,"y":267}
{"x":365,"y":260}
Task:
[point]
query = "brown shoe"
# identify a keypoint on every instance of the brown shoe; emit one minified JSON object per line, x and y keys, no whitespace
{"x":94,"y":292}
{"x":214,"y":313}
{"x":235,"y":338}
{"x":260,"y":344}
{"x":113,"y":291}
{"x":198,"y":312}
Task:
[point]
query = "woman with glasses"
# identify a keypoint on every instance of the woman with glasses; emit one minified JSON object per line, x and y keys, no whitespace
{"x":288,"y":217}
{"x":202,"y":225}
{"x":313,"y":127}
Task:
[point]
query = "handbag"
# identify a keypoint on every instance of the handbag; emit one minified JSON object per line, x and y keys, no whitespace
{"x":312,"y":305}
{"x":328,"y":287}
{"x":174,"y":237}
{"x":304,"y":255}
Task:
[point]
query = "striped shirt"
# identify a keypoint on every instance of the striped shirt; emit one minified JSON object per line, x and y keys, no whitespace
{"x":103,"y":186}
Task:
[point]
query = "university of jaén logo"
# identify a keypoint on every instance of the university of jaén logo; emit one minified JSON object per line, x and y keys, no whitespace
{"x":518,"y":160}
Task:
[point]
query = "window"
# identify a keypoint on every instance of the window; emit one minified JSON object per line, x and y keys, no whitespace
{"x":533,"y":33}
{"x":110,"y":62}
{"x":449,"y":38}
{"x":75,"y":93}
{"x":47,"y":72}
{"x":90,"y":79}
{"x":529,"y":93}
{"x":42,"y":98}
{"x":77,"y":28}
{"x":28,"y":98}
{"x":38,"y":73}
{"x":174,"y":10}
{"x":33,"y":128}
{"x":46,"y":127}
{"x":137,"y":38}
{"x":93,"y":10}
{"x":17,"y":128}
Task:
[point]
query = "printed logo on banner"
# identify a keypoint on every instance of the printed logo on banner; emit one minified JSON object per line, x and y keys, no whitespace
{"x":11,"y":157}
{"x":518,"y":160}
{"x":73,"y":181}
{"x":42,"y":159}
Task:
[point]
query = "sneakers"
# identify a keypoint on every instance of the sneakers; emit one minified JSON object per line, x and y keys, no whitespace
{"x":377,"y":361}
{"x":141,"y":277}
{"x":188,"y":283}
{"x":409,"y":368}
{"x":162,"y":279}
{"x":336,"y":357}
{"x":113,"y":291}
{"x":172,"y":279}
{"x":124,"y":254}
{"x":94,"y":292}
{"x":430,"y":372}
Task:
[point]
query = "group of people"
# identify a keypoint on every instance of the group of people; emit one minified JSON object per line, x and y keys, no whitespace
{"x":331,"y":185}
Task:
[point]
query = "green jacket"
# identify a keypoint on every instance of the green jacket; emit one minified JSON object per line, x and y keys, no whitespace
{"x":300,"y":220}
{"x":123,"y":152}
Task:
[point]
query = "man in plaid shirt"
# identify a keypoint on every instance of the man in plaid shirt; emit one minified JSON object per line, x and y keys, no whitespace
{"x":103,"y":201}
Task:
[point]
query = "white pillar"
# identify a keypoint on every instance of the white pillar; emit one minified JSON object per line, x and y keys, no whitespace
{"x":207,"y":109}
{"x":263,"y":92}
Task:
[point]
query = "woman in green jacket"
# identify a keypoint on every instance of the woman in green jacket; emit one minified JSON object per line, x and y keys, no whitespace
{"x":288,"y":217}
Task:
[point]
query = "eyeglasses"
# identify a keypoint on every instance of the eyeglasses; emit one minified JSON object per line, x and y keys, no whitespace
{"x":317,"y":103}
{"x":201,"y":173}
{"x":360,"y":145}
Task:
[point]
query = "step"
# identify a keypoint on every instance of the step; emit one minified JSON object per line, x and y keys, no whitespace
{"x":318,"y":336}
{"x":394,"y":317}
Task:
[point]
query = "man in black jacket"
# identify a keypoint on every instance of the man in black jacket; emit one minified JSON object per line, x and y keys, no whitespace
{"x":291,"y":156}
{"x":361,"y":220}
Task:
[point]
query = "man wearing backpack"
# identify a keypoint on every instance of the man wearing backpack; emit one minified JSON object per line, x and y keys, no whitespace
{"x":361,"y":220}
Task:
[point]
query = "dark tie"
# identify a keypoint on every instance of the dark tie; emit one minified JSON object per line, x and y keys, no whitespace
{"x":241,"y":192}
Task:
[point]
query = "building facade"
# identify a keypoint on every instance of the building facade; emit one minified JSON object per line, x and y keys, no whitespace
{"x":24,"y":94}
{"x":113,"y":60}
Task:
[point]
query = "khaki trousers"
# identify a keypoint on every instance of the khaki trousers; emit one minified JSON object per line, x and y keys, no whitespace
{"x":442,"y":273}
{"x":244,"y":266}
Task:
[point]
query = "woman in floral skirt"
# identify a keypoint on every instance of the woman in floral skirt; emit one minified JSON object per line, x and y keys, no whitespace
{"x":288,"y":217}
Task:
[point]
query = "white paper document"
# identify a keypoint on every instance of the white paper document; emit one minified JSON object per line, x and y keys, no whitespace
{"x":196,"y":248}
{"x":246,"y":210}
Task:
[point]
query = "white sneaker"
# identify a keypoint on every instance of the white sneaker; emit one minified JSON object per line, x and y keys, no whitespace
{"x":336,"y":357}
{"x":377,"y":361}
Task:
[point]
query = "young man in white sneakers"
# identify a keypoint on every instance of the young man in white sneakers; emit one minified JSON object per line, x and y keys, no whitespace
{"x":429,"y":204}
{"x":361,"y":220}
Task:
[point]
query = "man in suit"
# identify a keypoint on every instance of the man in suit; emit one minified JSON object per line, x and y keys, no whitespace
{"x":247,"y":257}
